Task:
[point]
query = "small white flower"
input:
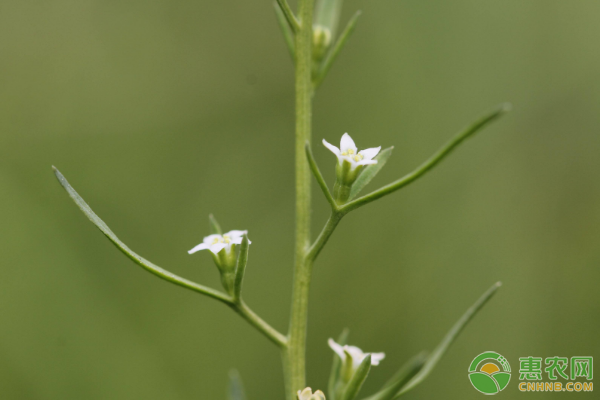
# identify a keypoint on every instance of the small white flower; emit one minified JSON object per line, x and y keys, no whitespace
{"x":307,"y":394}
{"x":216,"y":243}
{"x":356,"y":355}
{"x":350,"y":153}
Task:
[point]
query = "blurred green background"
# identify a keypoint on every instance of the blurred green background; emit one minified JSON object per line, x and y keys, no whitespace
{"x":160,"y":112}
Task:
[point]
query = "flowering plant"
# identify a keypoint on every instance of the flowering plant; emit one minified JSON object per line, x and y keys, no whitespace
{"x":313,"y":41}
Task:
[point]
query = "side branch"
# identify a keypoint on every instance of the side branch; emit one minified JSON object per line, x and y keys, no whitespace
{"x":289,"y":15}
{"x":271,"y":333}
{"x":236,"y":304}
{"x":319,"y":177}
{"x":332,"y":223}
{"x":430,"y":163}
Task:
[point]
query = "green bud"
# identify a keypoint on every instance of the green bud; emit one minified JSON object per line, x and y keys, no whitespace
{"x":321,"y":41}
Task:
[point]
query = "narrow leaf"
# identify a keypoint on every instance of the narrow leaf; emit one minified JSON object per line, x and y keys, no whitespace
{"x":441,"y":349}
{"x":241,"y":268}
{"x":404,"y":375}
{"x":335,"y":50}
{"x":369,"y":172}
{"x":336,"y":366}
{"x":318,"y":176}
{"x":289,"y":15}
{"x":288,"y":34}
{"x":327,"y":14}
{"x":358,"y":379}
{"x":214,"y":226}
{"x":431,"y":162}
{"x":147,"y":265}
{"x":236,"y":388}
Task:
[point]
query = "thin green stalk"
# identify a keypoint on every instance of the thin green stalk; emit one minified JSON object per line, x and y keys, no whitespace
{"x":332,"y":223}
{"x":271,"y":333}
{"x":296,"y":351}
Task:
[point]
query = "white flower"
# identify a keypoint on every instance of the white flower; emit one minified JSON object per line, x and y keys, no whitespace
{"x":350,"y":153}
{"x":356,"y":355}
{"x":307,"y":394}
{"x":216,"y":243}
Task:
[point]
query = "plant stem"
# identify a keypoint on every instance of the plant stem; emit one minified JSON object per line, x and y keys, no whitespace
{"x":242,"y":309}
{"x":295,"y":368}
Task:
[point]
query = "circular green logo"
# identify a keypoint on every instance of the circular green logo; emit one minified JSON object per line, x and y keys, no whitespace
{"x":489,"y":372}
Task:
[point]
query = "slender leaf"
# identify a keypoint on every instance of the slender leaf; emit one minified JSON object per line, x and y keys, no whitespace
{"x":369,"y":172}
{"x":441,"y":349}
{"x":334,"y":377}
{"x":236,"y":388}
{"x":214,"y":226}
{"x":404,"y":375}
{"x":289,"y":15}
{"x":327,"y":14}
{"x":142,"y":262}
{"x":288,"y":34}
{"x":318,"y":176}
{"x":431,"y":162}
{"x":241,"y":268}
{"x":358,"y":379}
{"x":335,"y":50}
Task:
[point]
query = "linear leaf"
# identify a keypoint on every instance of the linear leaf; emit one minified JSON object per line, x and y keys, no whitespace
{"x":288,"y":34}
{"x":142,"y":262}
{"x":404,"y":375}
{"x":241,"y":268}
{"x":335,"y":50}
{"x":441,"y":349}
{"x":369,"y":172}
{"x":432,"y":161}
{"x":358,"y":379}
{"x":335,"y":366}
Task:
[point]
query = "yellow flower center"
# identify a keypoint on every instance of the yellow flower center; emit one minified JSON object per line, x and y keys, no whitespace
{"x":222,"y":239}
{"x":348,"y":152}
{"x":358,"y":157}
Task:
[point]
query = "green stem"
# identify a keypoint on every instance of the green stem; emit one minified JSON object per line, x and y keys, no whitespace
{"x":295,"y":356}
{"x":242,"y":309}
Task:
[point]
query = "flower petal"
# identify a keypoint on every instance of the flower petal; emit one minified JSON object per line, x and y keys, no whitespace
{"x":210,"y":239}
{"x":376,"y":358}
{"x":201,"y":246}
{"x":347,"y":144}
{"x":368,"y":154}
{"x":337,"y":348}
{"x":366,"y":162}
{"x":217,"y":247}
{"x":235,"y":234}
{"x":331,"y":147}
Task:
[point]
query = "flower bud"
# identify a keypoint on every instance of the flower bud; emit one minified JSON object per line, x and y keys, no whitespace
{"x":307,"y":394}
{"x":321,"y":41}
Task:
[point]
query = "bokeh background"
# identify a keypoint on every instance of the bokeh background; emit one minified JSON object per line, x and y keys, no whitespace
{"x":160,"y":112}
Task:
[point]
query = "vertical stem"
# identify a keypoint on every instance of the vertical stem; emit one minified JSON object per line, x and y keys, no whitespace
{"x":296,"y":351}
